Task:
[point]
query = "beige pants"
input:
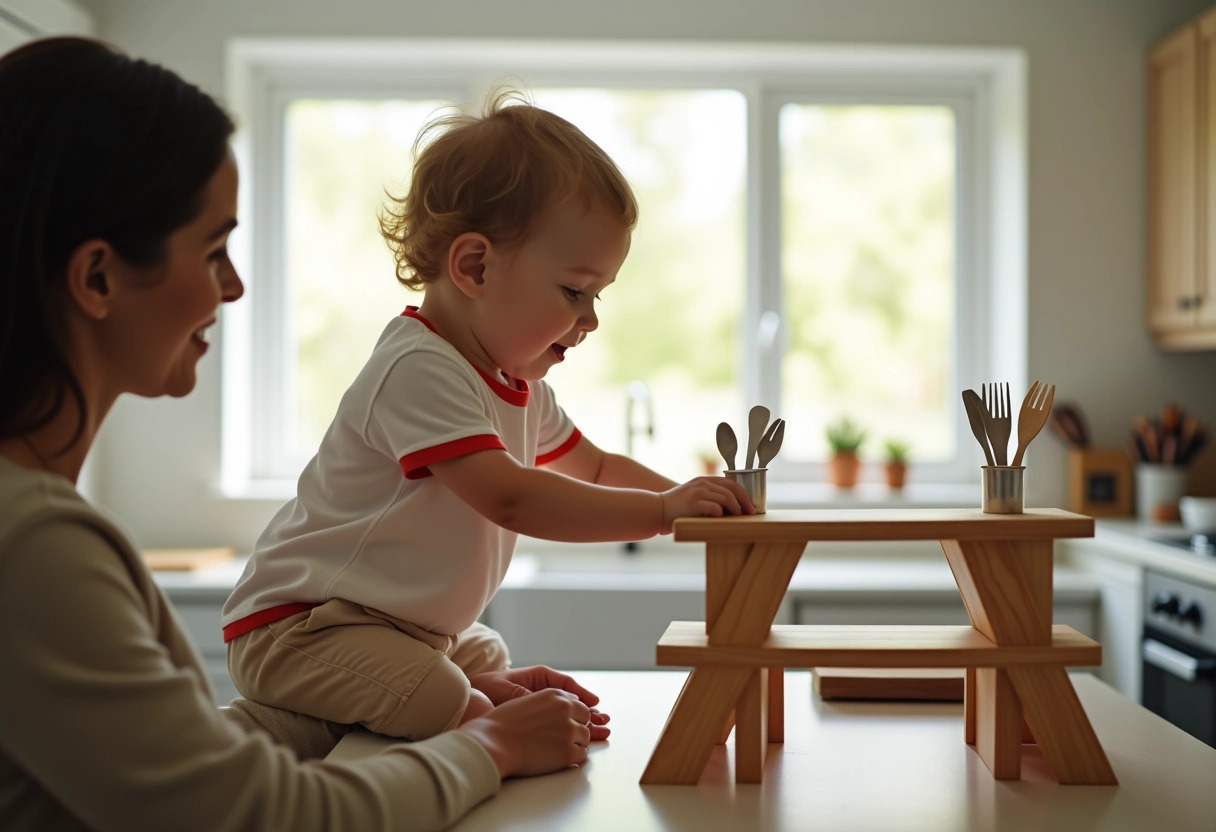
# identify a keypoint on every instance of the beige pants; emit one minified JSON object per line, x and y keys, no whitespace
{"x":353,"y":664}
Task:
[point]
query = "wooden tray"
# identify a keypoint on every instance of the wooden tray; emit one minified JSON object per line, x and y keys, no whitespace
{"x":186,"y":560}
{"x":889,"y":683}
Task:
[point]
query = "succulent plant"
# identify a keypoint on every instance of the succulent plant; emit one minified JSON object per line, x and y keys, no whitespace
{"x":845,"y":436}
{"x":897,"y":451}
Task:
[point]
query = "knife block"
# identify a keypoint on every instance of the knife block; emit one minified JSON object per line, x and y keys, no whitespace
{"x":1100,"y":482}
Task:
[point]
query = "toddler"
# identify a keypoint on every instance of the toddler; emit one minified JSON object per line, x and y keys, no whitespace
{"x":361,"y":598}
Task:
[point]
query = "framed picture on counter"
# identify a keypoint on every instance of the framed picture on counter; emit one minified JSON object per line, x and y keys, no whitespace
{"x":1100,"y":482}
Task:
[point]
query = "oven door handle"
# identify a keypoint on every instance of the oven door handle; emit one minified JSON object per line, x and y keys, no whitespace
{"x":1175,"y":661}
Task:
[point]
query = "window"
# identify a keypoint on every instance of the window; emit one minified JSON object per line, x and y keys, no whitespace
{"x":818,"y":233}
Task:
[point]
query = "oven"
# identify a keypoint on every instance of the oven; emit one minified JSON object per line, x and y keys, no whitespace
{"x":1178,"y":654}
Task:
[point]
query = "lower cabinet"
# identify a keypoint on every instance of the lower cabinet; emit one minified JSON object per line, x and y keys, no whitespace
{"x":617,"y":629}
{"x":1081,"y":614}
{"x":591,"y":629}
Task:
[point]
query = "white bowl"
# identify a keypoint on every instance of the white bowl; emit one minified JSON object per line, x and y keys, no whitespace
{"x":1198,"y":513}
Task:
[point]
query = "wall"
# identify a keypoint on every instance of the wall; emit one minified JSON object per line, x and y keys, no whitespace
{"x":1086,"y":206}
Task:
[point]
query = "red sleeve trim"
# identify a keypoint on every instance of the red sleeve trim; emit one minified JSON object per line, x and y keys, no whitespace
{"x":414,"y":465}
{"x":268,"y":616}
{"x":561,"y":450}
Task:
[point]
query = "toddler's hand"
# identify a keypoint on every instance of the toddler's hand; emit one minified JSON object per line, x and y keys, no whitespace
{"x":705,"y":497}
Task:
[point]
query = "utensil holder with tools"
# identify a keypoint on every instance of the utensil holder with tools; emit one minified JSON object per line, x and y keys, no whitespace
{"x":1002,"y":483}
{"x":763,"y":442}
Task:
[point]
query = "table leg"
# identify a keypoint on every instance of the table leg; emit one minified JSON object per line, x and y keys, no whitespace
{"x":1006,"y":588}
{"x":689,"y":736}
{"x":727,"y":728}
{"x":1060,"y":726}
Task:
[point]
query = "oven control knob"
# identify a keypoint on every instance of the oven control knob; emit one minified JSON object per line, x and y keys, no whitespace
{"x":1192,"y":614}
{"x":1166,"y":604}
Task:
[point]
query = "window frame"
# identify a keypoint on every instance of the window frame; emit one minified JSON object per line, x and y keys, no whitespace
{"x":985,"y":88}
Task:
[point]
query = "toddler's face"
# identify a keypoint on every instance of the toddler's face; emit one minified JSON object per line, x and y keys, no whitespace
{"x":542,"y":295}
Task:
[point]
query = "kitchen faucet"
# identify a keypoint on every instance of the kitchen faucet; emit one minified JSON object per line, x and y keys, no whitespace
{"x":636,"y":392}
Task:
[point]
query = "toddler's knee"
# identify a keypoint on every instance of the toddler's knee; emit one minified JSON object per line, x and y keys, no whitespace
{"x":436,"y":704}
{"x":482,"y":650}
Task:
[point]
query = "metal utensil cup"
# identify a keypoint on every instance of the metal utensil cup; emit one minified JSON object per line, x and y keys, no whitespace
{"x":754,"y":482}
{"x":1002,"y":489}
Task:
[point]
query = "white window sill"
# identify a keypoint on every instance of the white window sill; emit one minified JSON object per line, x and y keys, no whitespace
{"x":793,"y":495}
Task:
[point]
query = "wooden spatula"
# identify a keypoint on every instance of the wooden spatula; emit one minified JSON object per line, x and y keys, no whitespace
{"x":757,"y":423}
{"x":975,"y":415}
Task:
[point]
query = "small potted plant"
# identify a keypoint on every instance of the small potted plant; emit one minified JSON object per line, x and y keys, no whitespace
{"x":897,"y":463}
{"x":845,"y":437}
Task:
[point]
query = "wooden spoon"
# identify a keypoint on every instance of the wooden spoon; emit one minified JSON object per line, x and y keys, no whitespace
{"x":757,"y":422}
{"x":728,"y":445}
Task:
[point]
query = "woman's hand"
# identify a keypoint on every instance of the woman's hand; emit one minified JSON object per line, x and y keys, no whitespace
{"x":534,"y":734}
{"x":705,"y":497}
{"x":504,"y":685}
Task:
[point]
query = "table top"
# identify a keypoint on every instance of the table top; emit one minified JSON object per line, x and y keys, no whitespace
{"x":858,"y":766}
{"x":886,"y":524}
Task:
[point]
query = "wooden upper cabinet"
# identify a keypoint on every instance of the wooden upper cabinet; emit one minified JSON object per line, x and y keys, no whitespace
{"x":1173,"y":184}
{"x":1205,"y":288}
{"x":1181,"y":295}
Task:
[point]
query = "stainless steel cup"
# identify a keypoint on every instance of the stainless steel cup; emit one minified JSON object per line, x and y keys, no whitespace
{"x":1002,"y":491}
{"x":753,"y":481}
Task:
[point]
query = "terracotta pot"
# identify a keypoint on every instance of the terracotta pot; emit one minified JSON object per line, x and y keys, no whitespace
{"x":897,"y":474}
{"x":843,"y":469}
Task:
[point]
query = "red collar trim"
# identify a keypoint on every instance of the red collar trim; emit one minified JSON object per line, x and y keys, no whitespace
{"x":515,"y":393}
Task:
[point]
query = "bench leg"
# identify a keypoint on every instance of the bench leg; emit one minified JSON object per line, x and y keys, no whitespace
{"x":1060,"y":726}
{"x":683,"y":748}
{"x":998,"y":723}
{"x":969,"y":705}
{"x":751,"y":730}
{"x":776,"y":704}
{"x":726,"y":729}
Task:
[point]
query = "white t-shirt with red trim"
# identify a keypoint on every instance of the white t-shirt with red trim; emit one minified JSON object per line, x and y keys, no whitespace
{"x":369,"y":524}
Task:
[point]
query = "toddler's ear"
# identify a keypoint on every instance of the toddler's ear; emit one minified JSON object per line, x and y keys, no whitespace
{"x":466,"y":263}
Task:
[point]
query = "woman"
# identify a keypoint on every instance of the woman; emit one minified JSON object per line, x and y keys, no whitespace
{"x":117,"y":195}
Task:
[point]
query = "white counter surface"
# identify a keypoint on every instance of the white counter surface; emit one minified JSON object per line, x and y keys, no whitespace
{"x":863,"y":767}
{"x":1136,"y":542}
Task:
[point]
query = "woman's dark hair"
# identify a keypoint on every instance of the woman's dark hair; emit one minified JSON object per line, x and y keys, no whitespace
{"x":93,"y":145}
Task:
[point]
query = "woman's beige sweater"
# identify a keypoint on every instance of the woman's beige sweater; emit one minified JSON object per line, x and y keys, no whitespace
{"x":108,"y":722}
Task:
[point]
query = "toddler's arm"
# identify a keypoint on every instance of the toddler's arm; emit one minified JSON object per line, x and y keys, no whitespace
{"x":586,"y":462}
{"x":546,"y":504}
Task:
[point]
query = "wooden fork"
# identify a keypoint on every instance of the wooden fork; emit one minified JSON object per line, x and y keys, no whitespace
{"x":1033,"y":415}
{"x":998,"y":421}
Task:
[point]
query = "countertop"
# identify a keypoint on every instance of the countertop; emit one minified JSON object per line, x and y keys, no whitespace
{"x":858,"y":766}
{"x":1136,"y":542}
{"x":859,"y":568}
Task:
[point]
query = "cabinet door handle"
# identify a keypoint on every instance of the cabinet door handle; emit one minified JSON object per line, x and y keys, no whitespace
{"x":1185,"y":303}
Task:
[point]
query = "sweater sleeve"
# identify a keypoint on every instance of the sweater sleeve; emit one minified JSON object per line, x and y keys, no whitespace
{"x":97,"y":711}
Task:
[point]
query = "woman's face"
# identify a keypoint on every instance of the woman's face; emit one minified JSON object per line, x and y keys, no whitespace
{"x":157,"y":329}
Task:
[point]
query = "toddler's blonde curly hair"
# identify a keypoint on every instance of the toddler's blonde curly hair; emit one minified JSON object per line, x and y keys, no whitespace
{"x":494,"y":174}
